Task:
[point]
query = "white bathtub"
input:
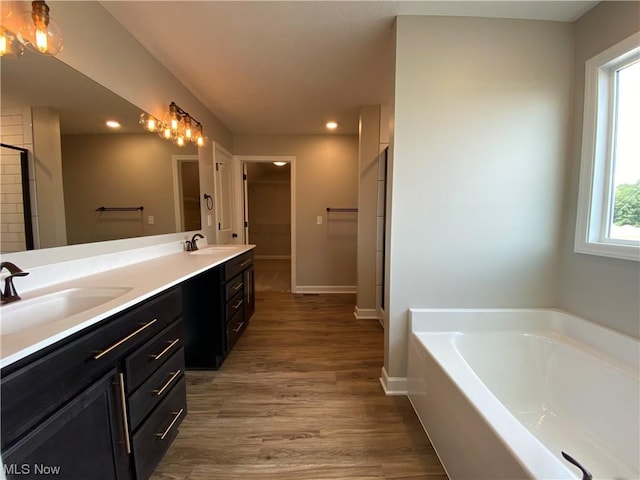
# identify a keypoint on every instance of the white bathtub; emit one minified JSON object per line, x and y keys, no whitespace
{"x":501,"y":393}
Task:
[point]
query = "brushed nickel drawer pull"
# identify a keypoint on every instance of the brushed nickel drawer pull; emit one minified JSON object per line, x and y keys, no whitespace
{"x":237,"y":305}
{"x":123,"y":399}
{"x":164,"y":387}
{"x":245,"y":262}
{"x":237,"y":286}
{"x":175,"y":419}
{"x":236,"y":330}
{"x":128,"y":337}
{"x":171,"y":344}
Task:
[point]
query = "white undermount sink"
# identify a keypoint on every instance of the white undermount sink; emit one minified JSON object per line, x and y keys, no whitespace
{"x":213,"y":250}
{"x":24,"y":314}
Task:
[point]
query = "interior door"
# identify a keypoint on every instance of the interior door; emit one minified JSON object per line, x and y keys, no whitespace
{"x":224,"y":196}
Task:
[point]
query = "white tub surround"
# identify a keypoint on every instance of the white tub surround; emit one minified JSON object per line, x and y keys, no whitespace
{"x":501,"y":393}
{"x":135,"y":275}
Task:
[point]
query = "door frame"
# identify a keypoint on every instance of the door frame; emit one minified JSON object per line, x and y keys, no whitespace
{"x":219,"y":149}
{"x":238,"y":161}
{"x":178,"y":207}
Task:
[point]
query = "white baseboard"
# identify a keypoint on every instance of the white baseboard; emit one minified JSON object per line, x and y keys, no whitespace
{"x":365,"y":313}
{"x":272,"y":257}
{"x":324,"y":289}
{"x":393,"y":385}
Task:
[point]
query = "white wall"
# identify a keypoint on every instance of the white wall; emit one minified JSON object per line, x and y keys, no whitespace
{"x":368,"y":153}
{"x":602,"y":289}
{"x":482,"y":114}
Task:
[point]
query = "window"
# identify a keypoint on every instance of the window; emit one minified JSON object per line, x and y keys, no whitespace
{"x":608,"y":220}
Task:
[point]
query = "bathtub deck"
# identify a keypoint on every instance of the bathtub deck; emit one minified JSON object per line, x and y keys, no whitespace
{"x":299,"y":398}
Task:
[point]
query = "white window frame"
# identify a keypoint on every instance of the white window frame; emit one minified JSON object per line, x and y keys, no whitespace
{"x":594,"y":194}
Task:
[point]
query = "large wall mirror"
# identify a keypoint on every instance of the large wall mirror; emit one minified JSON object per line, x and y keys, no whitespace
{"x":89,"y":182}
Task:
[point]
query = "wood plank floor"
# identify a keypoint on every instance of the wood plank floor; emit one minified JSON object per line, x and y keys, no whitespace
{"x":299,"y":398}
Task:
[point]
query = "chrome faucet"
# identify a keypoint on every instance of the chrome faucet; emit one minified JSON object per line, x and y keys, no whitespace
{"x":192,"y":245}
{"x":9,"y":293}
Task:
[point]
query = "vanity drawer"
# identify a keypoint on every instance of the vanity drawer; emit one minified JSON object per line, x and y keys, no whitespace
{"x":150,"y":356}
{"x":36,"y":386}
{"x":155,"y":388}
{"x":234,"y":305}
{"x":235,"y":328}
{"x":236,"y":265}
{"x":152,"y":440}
{"x":233,"y":287}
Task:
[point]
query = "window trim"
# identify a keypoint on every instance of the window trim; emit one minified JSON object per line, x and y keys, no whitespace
{"x":595,"y":162}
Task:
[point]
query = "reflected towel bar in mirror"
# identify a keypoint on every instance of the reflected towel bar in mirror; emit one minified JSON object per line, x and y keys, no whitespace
{"x":118,"y":209}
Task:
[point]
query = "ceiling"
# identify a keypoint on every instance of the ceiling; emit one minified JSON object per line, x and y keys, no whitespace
{"x":287,"y":67}
{"x":266,"y":67}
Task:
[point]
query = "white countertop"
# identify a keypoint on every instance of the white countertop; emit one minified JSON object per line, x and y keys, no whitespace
{"x":144,"y":279}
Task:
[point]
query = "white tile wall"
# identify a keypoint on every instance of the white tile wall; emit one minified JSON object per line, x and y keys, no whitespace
{"x":15,"y":129}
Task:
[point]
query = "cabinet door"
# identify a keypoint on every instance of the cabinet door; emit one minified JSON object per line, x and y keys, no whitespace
{"x":249,"y":293}
{"x":85,"y":438}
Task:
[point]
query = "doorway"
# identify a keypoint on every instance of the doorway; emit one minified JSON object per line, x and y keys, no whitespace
{"x":268,"y":220}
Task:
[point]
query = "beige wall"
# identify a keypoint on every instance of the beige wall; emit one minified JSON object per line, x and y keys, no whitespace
{"x":326,"y":176}
{"x":482,"y":116}
{"x":121,"y":170}
{"x":602,"y":289}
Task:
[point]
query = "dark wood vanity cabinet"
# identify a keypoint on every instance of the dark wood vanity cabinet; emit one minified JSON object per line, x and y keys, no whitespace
{"x":218,"y":305}
{"x":76,"y":408}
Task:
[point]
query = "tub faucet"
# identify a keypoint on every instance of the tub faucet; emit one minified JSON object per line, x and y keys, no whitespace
{"x":586,"y":475}
{"x":9,"y":293}
{"x":192,"y":245}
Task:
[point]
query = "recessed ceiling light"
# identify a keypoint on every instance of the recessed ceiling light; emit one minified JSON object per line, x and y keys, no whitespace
{"x":113,"y":124}
{"x":332,"y":125}
{"x":279,"y":164}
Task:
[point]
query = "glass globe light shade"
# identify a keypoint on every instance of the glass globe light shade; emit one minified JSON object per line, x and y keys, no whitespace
{"x":187,"y":129}
{"x":149,"y":122}
{"x":179,"y":140}
{"x":10,"y":46}
{"x":39,"y":32}
{"x":165,"y":132}
{"x":198,"y":139}
{"x":202,"y":141}
{"x":172,"y":118}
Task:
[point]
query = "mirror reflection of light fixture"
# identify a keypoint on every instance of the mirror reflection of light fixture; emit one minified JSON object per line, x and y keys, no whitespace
{"x":10,"y":46}
{"x":177,"y":126}
{"x":39,"y":32}
{"x":150,"y":123}
{"x":332,"y":125}
{"x":112,"y":124}
{"x":279,"y":164}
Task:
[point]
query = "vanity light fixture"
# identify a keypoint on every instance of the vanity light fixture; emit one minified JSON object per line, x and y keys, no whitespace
{"x":279,"y":164}
{"x":332,"y":125}
{"x":39,"y":32}
{"x":177,"y":126}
